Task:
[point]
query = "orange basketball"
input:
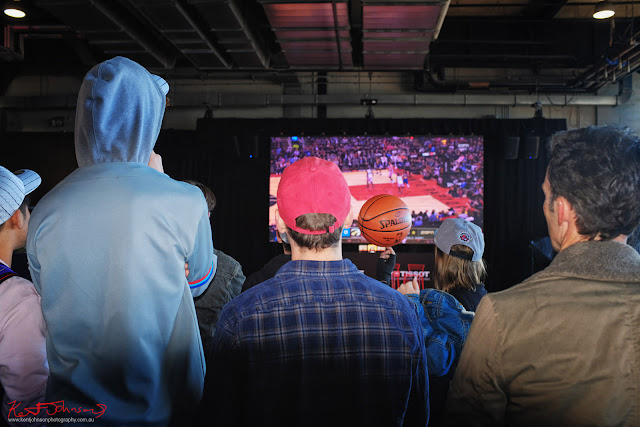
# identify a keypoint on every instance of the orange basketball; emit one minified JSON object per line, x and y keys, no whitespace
{"x":384,"y":220}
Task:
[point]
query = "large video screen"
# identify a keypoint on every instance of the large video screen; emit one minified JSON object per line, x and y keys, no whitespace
{"x":438,"y":177}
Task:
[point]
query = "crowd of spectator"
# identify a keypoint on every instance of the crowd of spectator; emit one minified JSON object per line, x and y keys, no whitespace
{"x":455,"y":163}
{"x":123,"y":265}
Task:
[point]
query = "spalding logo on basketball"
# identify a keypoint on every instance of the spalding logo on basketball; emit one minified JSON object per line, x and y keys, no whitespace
{"x":384,"y":220}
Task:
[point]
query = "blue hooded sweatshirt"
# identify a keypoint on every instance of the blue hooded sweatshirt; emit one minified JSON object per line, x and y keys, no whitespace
{"x":106,"y":250}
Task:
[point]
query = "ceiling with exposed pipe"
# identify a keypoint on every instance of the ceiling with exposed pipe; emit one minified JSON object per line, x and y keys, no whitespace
{"x":444,"y":45}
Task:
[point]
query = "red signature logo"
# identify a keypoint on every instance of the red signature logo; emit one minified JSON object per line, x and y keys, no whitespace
{"x":52,"y":408}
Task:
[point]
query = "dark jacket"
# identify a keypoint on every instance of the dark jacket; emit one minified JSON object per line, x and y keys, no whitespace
{"x":267,"y":272}
{"x":384,"y":268}
{"x":225,"y":286}
{"x":469,"y":299}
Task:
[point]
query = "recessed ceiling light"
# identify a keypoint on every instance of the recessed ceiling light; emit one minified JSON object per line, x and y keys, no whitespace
{"x":14,"y":9}
{"x":15,"y":13}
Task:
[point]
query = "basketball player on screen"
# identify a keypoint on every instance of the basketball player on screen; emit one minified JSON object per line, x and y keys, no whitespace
{"x":369,"y":178}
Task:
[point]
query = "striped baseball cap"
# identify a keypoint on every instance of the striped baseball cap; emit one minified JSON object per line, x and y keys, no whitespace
{"x":13,"y":189}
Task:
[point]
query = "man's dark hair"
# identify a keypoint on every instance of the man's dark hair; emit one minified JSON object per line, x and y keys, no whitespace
{"x":597,"y":169}
{"x":23,"y":208}
{"x":315,"y":222}
{"x":206,"y":191}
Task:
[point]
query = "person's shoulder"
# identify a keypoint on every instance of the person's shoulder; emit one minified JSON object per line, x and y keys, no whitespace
{"x":380,"y":293}
{"x":225,"y":258}
{"x":54,"y":197}
{"x":361,"y":287}
{"x":376,"y":287}
{"x":257,"y":294}
{"x":513,"y":301}
{"x":440,"y":297}
{"x":515,"y":292}
{"x":226,"y":265}
{"x":184,"y":196}
{"x":173,"y":184}
{"x":253,"y":300}
{"x":15,"y":290}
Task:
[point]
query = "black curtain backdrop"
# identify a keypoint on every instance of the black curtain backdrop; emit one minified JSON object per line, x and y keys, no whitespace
{"x":231,"y":156}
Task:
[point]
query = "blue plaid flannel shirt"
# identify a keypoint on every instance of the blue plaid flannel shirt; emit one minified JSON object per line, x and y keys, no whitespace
{"x":319,"y":344}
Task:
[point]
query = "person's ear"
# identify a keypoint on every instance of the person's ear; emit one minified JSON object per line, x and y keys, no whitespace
{"x":566,"y":213}
{"x":280,"y":225}
{"x":349,"y":220}
{"x":18,"y":220}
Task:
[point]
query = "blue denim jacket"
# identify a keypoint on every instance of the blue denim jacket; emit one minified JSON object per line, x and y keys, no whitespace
{"x":445,"y":324}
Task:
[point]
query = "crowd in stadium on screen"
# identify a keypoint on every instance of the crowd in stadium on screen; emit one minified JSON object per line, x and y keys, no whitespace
{"x":453,"y":162}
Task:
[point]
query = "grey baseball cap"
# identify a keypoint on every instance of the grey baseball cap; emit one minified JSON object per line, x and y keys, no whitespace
{"x":457,"y":231}
{"x":14,"y":187}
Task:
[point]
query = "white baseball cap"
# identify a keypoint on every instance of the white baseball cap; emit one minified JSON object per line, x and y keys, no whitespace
{"x":14,"y":187}
{"x":457,"y":231}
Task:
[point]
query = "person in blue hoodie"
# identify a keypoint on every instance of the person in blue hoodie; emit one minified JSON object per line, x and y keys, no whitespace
{"x":107,"y":249}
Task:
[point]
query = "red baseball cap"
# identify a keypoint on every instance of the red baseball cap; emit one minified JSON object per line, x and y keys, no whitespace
{"x":313,"y":185}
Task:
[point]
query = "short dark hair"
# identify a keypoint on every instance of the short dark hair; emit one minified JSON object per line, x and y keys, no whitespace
{"x":315,"y":222}
{"x":597,"y":169}
{"x":206,"y":191}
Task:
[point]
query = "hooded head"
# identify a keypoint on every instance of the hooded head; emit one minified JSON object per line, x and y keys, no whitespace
{"x":119,"y":113}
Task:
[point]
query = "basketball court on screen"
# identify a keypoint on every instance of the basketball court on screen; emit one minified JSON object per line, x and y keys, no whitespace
{"x":417,"y":196}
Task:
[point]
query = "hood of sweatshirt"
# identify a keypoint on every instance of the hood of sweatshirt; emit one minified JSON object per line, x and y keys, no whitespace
{"x":119,"y":113}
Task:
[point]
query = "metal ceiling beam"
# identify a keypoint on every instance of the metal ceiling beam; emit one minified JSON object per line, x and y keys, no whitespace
{"x":541,"y":9}
{"x":234,"y":100}
{"x":504,"y":56}
{"x":532,"y":44}
{"x":498,"y":42}
{"x":263,"y":57}
{"x":77,"y":41}
{"x":315,"y":39}
{"x":217,"y":51}
{"x":295,"y":1}
{"x":335,"y":28}
{"x":625,"y":63}
{"x":142,"y":12}
{"x":443,"y":13}
{"x":355,"y":19}
{"x":404,"y":2}
{"x":153,"y":46}
{"x":298,"y":27}
{"x":211,"y":47}
{"x":275,"y":29}
{"x":547,"y":3}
